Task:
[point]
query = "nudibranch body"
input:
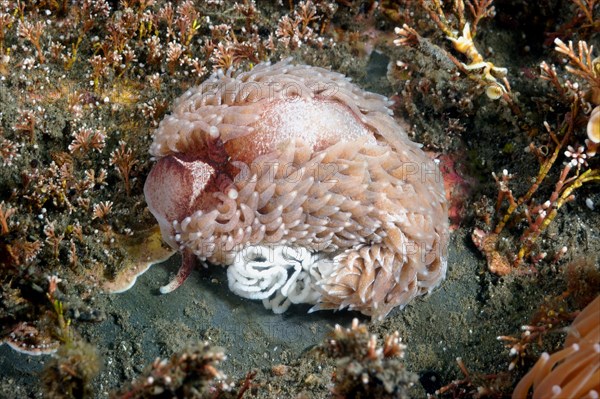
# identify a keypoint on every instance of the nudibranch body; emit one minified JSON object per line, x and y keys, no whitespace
{"x":304,"y":186}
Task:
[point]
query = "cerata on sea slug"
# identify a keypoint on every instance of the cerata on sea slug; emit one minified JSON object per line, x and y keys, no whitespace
{"x":304,"y":186}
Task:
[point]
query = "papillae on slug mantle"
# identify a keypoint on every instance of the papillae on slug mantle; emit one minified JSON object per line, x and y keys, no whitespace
{"x":304,"y":186}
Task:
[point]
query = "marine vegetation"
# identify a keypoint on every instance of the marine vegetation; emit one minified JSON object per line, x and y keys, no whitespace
{"x":504,"y":96}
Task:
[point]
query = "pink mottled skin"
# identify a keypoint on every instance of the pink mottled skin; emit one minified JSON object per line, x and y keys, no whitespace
{"x":175,"y":188}
{"x":172,"y":190}
{"x":284,"y":120}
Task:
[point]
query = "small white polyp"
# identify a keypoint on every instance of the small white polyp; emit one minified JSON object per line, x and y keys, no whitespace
{"x":279,"y":275}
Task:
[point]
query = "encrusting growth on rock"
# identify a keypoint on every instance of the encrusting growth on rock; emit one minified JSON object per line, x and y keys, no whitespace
{"x":364,"y":370}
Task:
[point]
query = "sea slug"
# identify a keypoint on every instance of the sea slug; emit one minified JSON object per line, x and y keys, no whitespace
{"x":304,"y":186}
